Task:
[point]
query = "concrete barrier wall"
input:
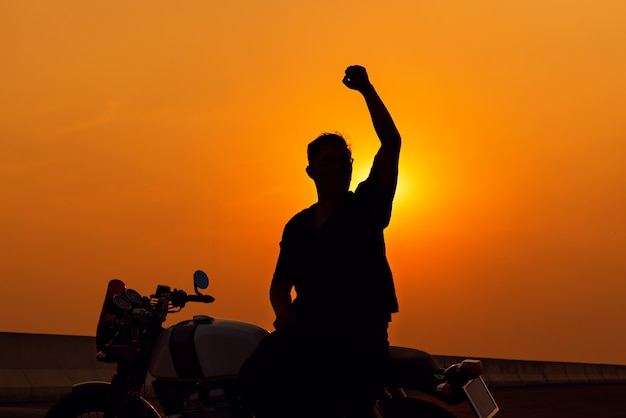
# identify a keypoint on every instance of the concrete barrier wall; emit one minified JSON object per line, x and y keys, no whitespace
{"x":39,"y":367}
{"x":43,"y":367}
{"x":506,"y":373}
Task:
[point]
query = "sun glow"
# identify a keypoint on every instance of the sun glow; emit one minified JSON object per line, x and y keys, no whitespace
{"x":409,"y":195}
{"x":410,"y":191}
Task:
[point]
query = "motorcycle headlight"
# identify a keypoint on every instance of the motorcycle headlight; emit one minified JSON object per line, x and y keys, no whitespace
{"x":121,"y":303}
{"x":133,"y":296}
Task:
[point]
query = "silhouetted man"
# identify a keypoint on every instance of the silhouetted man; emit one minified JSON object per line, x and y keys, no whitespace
{"x":326,"y":355}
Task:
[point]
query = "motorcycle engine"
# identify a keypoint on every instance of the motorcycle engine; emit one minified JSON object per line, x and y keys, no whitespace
{"x":210,"y":401}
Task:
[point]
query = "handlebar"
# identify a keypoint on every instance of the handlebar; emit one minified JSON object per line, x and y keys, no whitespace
{"x":200,"y":298}
{"x":178,"y":298}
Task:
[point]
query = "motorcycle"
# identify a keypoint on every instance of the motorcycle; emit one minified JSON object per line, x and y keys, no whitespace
{"x":195,"y":365}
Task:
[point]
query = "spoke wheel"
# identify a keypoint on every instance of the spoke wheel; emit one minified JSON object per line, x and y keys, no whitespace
{"x":91,"y":403}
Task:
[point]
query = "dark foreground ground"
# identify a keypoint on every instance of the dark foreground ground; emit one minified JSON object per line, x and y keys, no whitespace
{"x":574,"y":401}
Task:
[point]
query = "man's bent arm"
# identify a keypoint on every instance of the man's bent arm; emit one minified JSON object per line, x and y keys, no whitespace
{"x":280,"y":298}
{"x":386,"y":160}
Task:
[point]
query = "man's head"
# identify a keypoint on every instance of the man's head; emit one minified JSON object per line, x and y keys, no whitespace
{"x":330,"y":163}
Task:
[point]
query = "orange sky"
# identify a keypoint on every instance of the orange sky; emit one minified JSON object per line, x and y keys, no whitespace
{"x":144,"y":140}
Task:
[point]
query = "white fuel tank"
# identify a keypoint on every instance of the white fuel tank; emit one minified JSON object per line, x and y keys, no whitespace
{"x":204,"y":348}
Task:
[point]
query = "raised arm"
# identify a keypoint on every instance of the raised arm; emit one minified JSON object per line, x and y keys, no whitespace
{"x":386,"y":160}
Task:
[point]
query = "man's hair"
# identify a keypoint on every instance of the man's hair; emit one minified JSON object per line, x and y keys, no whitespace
{"x":326,"y":138}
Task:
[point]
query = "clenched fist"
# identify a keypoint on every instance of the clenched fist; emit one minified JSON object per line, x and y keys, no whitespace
{"x":356,"y":78}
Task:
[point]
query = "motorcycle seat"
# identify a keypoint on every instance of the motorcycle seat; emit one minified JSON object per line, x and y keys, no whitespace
{"x":409,"y":367}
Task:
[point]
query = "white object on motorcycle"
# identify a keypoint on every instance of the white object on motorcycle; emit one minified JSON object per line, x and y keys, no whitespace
{"x":221,"y":345}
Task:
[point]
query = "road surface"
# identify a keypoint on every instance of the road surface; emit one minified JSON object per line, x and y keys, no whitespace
{"x":573,"y":401}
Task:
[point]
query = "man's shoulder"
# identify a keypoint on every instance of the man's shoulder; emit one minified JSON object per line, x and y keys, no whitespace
{"x":367,"y":185}
{"x":372,"y":187}
{"x":300,"y":219}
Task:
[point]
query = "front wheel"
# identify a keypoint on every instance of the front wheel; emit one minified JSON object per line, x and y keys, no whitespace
{"x":89,"y":400}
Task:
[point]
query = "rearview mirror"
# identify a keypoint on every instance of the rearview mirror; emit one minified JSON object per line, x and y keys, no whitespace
{"x":200,"y":280}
